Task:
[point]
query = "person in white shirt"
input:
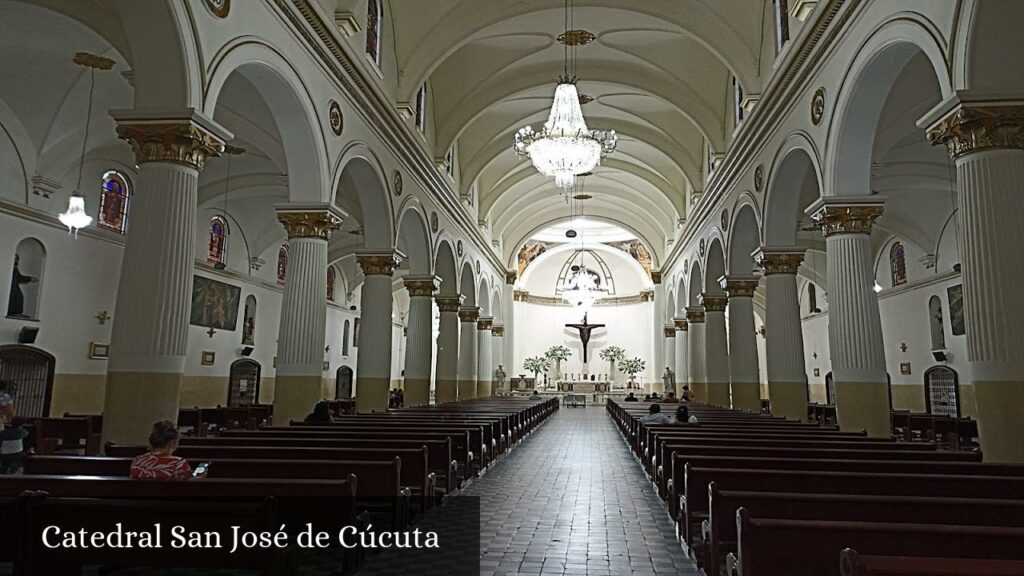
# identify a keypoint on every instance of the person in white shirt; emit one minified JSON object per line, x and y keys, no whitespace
{"x":683,"y":415}
{"x":654,"y":416}
{"x":12,"y":437}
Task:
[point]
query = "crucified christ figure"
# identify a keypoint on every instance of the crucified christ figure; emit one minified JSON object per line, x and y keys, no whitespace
{"x":585,"y":330}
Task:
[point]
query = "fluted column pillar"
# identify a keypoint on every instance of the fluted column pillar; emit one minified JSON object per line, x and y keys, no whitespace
{"x":682,"y":339}
{"x":468,"y":347}
{"x":447,"y":371}
{"x":150,"y":333}
{"x":669,"y":339}
{"x":373,"y":374}
{"x":716,"y":346}
{"x":744,"y":374}
{"x":498,"y":356}
{"x":418,"y":348}
{"x":854,"y":323}
{"x":695,"y":353}
{"x":484,"y":370}
{"x":298,"y":383}
{"x":508,"y":313}
{"x":784,"y":337}
{"x":986,"y":141}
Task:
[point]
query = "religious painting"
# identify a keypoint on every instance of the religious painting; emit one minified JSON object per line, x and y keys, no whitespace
{"x":214,"y":304}
{"x":956,"y":309}
{"x":898,"y":264}
{"x":209,"y":358}
{"x":282,"y":264}
{"x":355,"y":334}
{"x":330,"y":283}
{"x":216,"y":251}
{"x":113,"y":214}
{"x":905,"y":368}
{"x":638,"y":251}
{"x":529,"y":252}
{"x":249,"y":321}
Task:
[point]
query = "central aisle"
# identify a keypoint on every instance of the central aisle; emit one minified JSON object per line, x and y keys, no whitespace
{"x":570,"y":499}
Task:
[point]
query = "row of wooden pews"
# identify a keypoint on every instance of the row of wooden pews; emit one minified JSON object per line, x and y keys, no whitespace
{"x":755,"y":495}
{"x":382,"y":469}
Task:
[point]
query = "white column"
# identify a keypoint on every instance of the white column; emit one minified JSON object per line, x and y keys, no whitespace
{"x":663,"y":356}
{"x":854,"y":324}
{"x":298,"y":383}
{"x":498,"y":356}
{"x":508,"y":313}
{"x":682,"y":339}
{"x":151,"y":315}
{"x":716,"y":346}
{"x":668,"y":337}
{"x":695,"y":353}
{"x":744,"y":373}
{"x":468,"y":316}
{"x":418,"y":349}
{"x":784,"y":337}
{"x":986,"y":141}
{"x":484,"y":368}
{"x":373,"y":374}
{"x":447,"y":379}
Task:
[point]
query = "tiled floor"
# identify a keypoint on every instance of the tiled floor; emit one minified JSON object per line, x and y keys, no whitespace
{"x":570,"y":499}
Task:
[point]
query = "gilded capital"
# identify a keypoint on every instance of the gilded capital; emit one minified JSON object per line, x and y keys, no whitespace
{"x":497,"y":330}
{"x":740,"y":286}
{"x":520,"y":295}
{"x":846,"y":218}
{"x":421,"y":287}
{"x":510,"y":276}
{"x":695,"y":314}
{"x":469,"y":314}
{"x":309,"y":223}
{"x":670,"y":331}
{"x":378,"y":264}
{"x":485,"y":323}
{"x":175,"y":141}
{"x":448,"y":302}
{"x":680,"y":324}
{"x":981,"y":127}
{"x":656,"y":276}
{"x":713,"y":302}
{"x":778,"y":262}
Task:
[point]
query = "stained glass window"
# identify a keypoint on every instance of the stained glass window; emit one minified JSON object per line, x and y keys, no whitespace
{"x":217,"y":251}
{"x":330,"y":283}
{"x":898,"y":264}
{"x":373,"y":27}
{"x":282,"y":264}
{"x":421,"y":107}
{"x":114,"y":202}
{"x":781,"y":24}
{"x":737,"y":91}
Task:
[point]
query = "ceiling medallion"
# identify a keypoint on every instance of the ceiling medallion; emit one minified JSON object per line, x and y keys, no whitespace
{"x":725,"y":220}
{"x":818,"y":106}
{"x":335,"y":119}
{"x":433,"y":222}
{"x":702,"y":247}
{"x":398,"y":183}
{"x":458,"y":248}
{"x":582,"y":197}
{"x":585,"y":99}
{"x":220,"y":8}
{"x":758,"y":177}
{"x":576,"y":37}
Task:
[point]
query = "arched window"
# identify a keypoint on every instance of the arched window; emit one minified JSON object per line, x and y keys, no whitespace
{"x":898,"y":264}
{"x":282,"y":264}
{"x":942,"y":391}
{"x":344,"y":339}
{"x":812,"y":298}
{"x":421,"y":107}
{"x":737,"y":92}
{"x":935,"y":322}
{"x":249,"y":321}
{"x":26,"y":279}
{"x":114,"y":198}
{"x":330,"y":283}
{"x":781,"y":24}
{"x":374,"y":18}
{"x":218,"y":249}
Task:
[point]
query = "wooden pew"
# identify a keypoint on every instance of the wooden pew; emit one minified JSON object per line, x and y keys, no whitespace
{"x":770,"y":547}
{"x":75,"y":434}
{"x":851,"y":563}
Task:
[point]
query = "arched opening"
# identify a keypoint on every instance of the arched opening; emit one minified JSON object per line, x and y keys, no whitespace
{"x":249,"y":321}
{"x":331,"y":278}
{"x":115,"y":194}
{"x":898,"y":264}
{"x":27,"y":374}
{"x":715,"y":266}
{"x":27,"y":280}
{"x":243,"y":383}
{"x":345,"y":338}
{"x":830,"y":390}
{"x":217,"y":250}
{"x":282,"y":264}
{"x":936,"y":323}
{"x":942,"y":391}
{"x":343,"y":384}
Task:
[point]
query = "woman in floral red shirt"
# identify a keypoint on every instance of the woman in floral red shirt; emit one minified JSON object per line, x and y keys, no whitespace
{"x":160,"y":463}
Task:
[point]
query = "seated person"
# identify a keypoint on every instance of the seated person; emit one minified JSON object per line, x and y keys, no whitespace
{"x":631,"y":398}
{"x":687,"y":396}
{"x":655,"y":397}
{"x":12,"y":448}
{"x":654,"y":416}
{"x":670,"y":398}
{"x":321,"y":413}
{"x":683,"y":415}
{"x":160,"y":463}
{"x":648,"y":398}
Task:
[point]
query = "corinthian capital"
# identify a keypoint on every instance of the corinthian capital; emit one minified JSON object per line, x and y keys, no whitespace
{"x":421,"y":285}
{"x":449,"y":302}
{"x":469,"y":314}
{"x":778,"y":260}
{"x":182,"y":137}
{"x":980,"y":126}
{"x":309,"y":222}
{"x":379,"y":263}
{"x":739,"y":286}
{"x":713,"y":302}
{"x":695,"y":314}
{"x":845,"y":215}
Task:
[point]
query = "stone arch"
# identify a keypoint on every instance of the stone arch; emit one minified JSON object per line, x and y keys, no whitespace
{"x":444,"y":267}
{"x":289,"y":101}
{"x":467,"y":284}
{"x":360,"y":180}
{"x":985,"y":33}
{"x":496,"y":304}
{"x":413,"y":240}
{"x":484,"y":300}
{"x":714,"y":266}
{"x":795,"y":174}
{"x":696,"y":285}
{"x":681,"y":301}
{"x":513,"y":255}
{"x":745,"y":238}
{"x":862,"y":97}
{"x":164,"y":52}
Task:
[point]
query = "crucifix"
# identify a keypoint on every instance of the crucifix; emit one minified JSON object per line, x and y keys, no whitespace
{"x":103,"y":317}
{"x":584,"y":330}
{"x":211,"y":331}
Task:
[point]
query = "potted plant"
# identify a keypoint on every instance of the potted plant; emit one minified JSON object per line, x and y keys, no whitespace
{"x":557,"y":354}
{"x":536,"y":365}
{"x":633,"y":366}
{"x":612,"y":354}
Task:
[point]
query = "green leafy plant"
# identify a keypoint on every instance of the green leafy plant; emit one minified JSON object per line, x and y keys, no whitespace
{"x":558,"y":353}
{"x":633,"y":366}
{"x":612,"y":354}
{"x":536,"y":365}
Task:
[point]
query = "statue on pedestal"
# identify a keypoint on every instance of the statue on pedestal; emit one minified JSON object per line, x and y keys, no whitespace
{"x":499,"y":378}
{"x":668,"y":377}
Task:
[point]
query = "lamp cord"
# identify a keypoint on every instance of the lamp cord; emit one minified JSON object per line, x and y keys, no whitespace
{"x":85,"y":140}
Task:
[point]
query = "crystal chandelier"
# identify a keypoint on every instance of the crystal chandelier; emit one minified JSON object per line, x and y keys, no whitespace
{"x":565,"y":148}
{"x":580,"y":289}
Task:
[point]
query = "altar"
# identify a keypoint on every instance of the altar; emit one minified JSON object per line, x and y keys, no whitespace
{"x":584,"y":386}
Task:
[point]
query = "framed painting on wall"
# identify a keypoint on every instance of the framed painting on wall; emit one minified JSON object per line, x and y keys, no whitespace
{"x":214,"y":304}
{"x":99,"y":350}
{"x":905,"y":368}
{"x":956,"y":309}
{"x":209,"y":358}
